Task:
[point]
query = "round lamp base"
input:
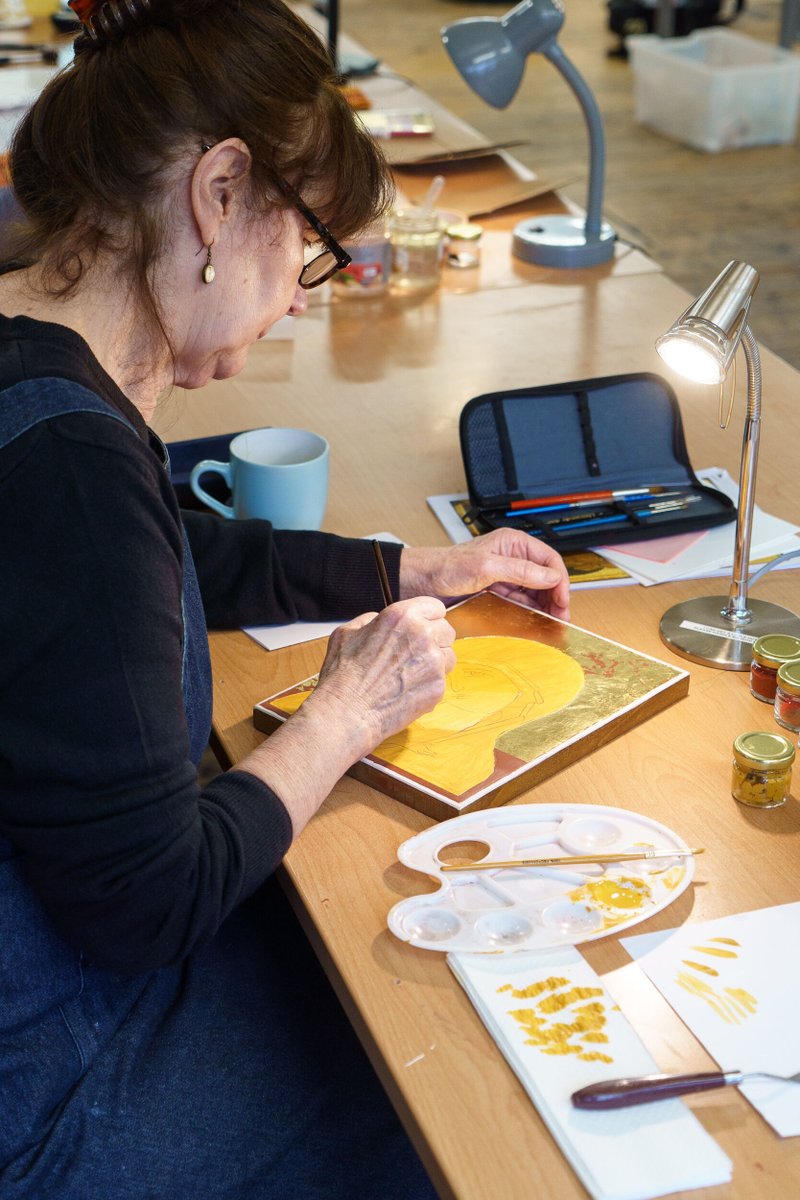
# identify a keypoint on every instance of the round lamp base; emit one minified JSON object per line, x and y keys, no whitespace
{"x":560,"y":241}
{"x":697,"y":630}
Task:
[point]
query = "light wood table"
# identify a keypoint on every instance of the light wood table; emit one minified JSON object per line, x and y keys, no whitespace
{"x":385,"y":381}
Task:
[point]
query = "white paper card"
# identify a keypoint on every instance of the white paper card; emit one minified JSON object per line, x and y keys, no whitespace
{"x":735,"y":982}
{"x":714,"y":551}
{"x":560,"y":1030}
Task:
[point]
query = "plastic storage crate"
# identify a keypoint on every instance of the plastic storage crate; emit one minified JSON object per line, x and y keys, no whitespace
{"x":715,"y":90}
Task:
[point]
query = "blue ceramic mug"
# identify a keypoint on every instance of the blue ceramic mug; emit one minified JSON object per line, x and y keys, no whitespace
{"x":280,"y":475}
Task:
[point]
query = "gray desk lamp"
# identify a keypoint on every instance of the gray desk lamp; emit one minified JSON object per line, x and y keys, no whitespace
{"x":490,"y":54}
{"x":716,"y":630}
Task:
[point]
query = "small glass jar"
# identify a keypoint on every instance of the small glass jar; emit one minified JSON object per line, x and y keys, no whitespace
{"x":770,"y":652}
{"x":370,"y":266}
{"x":463,"y":244}
{"x":762,"y":769}
{"x":417,"y":242}
{"x":787,"y":696}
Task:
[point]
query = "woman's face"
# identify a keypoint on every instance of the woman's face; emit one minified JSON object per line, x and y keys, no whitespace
{"x":257,"y":262}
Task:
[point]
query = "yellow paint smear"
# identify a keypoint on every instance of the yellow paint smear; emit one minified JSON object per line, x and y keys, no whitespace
{"x":700,"y":967}
{"x":565,"y":1038}
{"x":615,"y":898}
{"x":535,"y":989}
{"x":716,"y":952}
{"x":733,"y":1005}
{"x":740,"y":996}
{"x":574,"y":1036}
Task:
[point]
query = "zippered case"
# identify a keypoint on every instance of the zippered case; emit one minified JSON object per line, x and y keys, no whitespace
{"x":620,"y":433}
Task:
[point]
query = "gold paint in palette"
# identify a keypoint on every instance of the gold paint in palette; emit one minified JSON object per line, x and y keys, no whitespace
{"x":732,"y":1004}
{"x":584,"y":1029}
{"x":614,"y":897}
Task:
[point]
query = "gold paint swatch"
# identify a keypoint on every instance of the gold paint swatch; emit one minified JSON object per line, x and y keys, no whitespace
{"x":574,"y":1036}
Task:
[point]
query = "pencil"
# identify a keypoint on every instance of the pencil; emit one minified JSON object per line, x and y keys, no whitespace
{"x":386,"y":590}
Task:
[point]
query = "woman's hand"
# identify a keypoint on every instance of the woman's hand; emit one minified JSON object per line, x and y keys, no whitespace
{"x":381,"y":672}
{"x":384,"y":670}
{"x":510,"y":562}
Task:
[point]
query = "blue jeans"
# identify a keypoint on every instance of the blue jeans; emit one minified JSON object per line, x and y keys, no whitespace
{"x":236,"y":1077}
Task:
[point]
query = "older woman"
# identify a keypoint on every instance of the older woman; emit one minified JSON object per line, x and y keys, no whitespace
{"x":164,"y":1032}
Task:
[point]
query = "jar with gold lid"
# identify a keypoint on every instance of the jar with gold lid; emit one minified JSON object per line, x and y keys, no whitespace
{"x":769,"y":653}
{"x":787,"y":696}
{"x":417,"y":240}
{"x":762,"y":769}
{"x":463,"y":244}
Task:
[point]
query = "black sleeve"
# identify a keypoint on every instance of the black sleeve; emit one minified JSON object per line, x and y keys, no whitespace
{"x":135,"y":865}
{"x":252,"y":574}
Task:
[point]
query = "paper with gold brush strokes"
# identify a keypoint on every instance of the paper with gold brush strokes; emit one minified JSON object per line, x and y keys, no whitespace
{"x":525,"y":687}
{"x":735,"y":981}
{"x":559,"y":1030}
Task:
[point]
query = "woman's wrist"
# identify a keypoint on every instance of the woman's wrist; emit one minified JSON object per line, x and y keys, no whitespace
{"x":304,"y":759}
{"x":414,"y":572}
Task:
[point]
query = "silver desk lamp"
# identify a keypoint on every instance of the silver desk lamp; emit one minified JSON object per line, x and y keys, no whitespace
{"x":716,"y":630}
{"x":490,"y":54}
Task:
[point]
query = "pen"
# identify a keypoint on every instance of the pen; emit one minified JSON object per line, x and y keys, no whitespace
{"x":382,"y":576}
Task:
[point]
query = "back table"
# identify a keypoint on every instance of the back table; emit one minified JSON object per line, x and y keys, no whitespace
{"x":385,"y":380}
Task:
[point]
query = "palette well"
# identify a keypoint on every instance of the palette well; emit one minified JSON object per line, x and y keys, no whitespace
{"x":524,"y":908}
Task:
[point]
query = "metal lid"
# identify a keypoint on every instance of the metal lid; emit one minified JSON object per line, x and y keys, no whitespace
{"x":789,"y":677}
{"x":774,"y":649}
{"x":758,"y":749}
{"x":467,"y":231}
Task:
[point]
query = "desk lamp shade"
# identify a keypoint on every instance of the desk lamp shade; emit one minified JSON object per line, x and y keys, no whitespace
{"x":490,"y":54}
{"x":720,"y":631}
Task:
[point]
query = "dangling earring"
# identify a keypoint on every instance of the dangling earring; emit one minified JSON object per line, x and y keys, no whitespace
{"x":208,"y":271}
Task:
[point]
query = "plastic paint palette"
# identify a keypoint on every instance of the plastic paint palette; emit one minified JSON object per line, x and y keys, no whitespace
{"x":530,"y":908}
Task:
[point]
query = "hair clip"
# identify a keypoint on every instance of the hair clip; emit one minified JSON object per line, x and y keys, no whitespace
{"x":109,"y":18}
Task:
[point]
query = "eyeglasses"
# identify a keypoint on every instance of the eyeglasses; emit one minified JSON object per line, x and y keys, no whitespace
{"x":330,"y":260}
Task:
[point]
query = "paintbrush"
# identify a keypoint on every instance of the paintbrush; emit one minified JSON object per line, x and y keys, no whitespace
{"x":571,"y":860}
{"x":386,"y":590}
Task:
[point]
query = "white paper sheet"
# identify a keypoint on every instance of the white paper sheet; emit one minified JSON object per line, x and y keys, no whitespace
{"x":735,"y":982}
{"x":560,"y":1030}
{"x":714,"y":551}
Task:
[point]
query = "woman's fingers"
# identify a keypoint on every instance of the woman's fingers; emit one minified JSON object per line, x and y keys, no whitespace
{"x":390,"y":668}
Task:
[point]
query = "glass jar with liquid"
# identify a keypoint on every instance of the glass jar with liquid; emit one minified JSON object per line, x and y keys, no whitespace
{"x":769,"y":653}
{"x":762,"y":769}
{"x":417,"y":241}
{"x":787,"y":696}
{"x":370,"y":265}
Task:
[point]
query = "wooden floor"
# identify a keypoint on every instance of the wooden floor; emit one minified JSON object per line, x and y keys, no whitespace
{"x":691,"y":211}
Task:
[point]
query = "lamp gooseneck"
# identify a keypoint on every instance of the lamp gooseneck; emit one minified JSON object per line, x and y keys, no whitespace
{"x":736,"y":608}
{"x":597,"y":140}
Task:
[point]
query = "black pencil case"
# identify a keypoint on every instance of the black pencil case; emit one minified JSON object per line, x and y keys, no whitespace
{"x":621,"y":433}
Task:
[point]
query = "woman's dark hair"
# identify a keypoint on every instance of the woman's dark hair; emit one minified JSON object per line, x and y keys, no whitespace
{"x":94,"y":153}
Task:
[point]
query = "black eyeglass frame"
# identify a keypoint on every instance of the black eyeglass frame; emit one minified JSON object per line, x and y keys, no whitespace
{"x":341,"y":258}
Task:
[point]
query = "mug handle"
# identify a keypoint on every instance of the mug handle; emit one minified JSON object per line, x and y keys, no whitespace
{"x":218,"y":468}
